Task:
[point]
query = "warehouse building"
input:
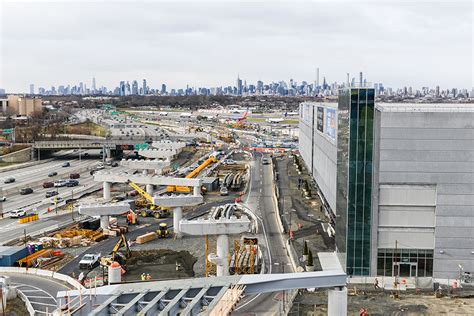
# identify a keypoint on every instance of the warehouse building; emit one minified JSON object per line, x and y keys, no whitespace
{"x":397,"y":181}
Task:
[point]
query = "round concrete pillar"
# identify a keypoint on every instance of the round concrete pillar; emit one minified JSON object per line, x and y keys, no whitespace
{"x":106,"y":189}
{"x":104,"y":221}
{"x":177,"y":216}
{"x":196,"y":191}
{"x":223,"y":253}
{"x":337,"y":301}
{"x":108,"y":152}
{"x":149,"y":189}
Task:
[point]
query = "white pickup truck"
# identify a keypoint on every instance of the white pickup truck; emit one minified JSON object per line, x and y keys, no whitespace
{"x":89,"y":261}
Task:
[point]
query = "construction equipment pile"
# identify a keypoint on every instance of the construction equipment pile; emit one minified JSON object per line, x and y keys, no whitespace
{"x":114,"y":229}
{"x":245,"y":259}
{"x":72,"y":237}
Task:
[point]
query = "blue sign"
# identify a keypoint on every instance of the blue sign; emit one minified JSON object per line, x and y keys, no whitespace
{"x":331,"y":123}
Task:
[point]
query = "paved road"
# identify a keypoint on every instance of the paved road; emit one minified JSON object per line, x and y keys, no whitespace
{"x":260,"y":201}
{"x":41,"y":291}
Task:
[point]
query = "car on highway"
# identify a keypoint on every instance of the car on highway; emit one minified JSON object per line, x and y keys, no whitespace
{"x":114,"y":164}
{"x":60,"y":183}
{"x":17,"y":213}
{"x":26,"y":191}
{"x":265,"y":161}
{"x":74,"y":176}
{"x":99,"y":167}
{"x":51,"y":193}
{"x":56,"y":199}
{"x":72,"y":183}
{"x":48,"y":185}
{"x":52,"y":174}
{"x":66,"y":164}
{"x":9,"y":180}
{"x":3,"y":198}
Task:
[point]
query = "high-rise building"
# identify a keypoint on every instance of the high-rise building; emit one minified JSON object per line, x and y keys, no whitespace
{"x":94,"y":88}
{"x":163,"y":89}
{"x":122,"y":88}
{"x":144,"y":87}
{"x":32,"y":89}
{"x":361,"y":79}
{"x":239,"y":86}
{"x":134,"y":87}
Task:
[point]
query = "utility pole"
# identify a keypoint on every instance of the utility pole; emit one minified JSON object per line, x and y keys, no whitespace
{"x":24,"y":234}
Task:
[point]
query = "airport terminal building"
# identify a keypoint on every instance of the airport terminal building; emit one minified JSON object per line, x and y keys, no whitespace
{"x":397,"y":180}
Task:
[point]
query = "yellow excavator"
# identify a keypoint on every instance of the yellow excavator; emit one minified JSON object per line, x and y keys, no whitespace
{"x":149,"y":208}
{"x":116,"y":256}
{"x":192,"y":174}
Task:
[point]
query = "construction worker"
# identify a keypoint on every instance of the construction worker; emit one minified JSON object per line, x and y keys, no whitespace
{"x":148,"y":276}
{"x":376,"y":284}
{"x":143,"y":276}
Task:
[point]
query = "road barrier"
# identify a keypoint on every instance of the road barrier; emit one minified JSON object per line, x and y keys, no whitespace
{"x":28,"y":219}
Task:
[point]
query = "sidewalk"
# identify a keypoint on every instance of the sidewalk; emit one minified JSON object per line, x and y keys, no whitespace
{"x":303,"y":216}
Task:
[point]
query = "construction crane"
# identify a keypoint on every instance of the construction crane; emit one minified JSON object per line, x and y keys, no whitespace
{"x":152,"y":209}
{"x":192,"y":174}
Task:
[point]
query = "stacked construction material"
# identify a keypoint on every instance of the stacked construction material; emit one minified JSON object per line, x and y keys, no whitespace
{"x":146,"y":238}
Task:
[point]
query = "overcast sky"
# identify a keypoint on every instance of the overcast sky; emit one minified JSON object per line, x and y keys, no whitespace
{"x":208,"y":43}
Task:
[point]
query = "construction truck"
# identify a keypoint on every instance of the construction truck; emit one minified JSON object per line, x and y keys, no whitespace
{"x":192,"y":174}
{"x":149,"y":209}
{"x":116,"y":255}
{"x":163,"y":231}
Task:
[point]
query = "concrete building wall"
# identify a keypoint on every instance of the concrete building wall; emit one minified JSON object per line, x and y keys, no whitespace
{"x":432,"y":148}
{"x":24,"y":106}
{"x":318,"y":151}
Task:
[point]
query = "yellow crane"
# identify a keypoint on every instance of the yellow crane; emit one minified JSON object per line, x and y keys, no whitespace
{"x":192,"y":174}
{"x":153,"y":210}
{"x":122,"y":242}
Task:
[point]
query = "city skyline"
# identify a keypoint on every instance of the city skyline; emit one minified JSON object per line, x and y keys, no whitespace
{"x":321,"y":86}
{"x":206,"y":45}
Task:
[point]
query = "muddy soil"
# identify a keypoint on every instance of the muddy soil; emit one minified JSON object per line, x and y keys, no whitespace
{"x":161,"y":264}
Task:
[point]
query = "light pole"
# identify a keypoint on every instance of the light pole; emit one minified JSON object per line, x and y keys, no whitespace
{"x":289,"y":225}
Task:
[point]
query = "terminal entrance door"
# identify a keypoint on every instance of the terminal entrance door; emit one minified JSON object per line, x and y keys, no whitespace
{"x":405,"y":269}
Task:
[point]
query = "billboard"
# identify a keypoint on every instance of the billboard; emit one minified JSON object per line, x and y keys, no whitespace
{"x":320,"y":119}
{"x":331,"y":123}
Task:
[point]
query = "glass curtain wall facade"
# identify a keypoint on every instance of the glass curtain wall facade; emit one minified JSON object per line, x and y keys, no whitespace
{"x":354,"y":178}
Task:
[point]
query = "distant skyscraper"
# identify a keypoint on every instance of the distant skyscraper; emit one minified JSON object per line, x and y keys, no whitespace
{"x":163,"y":89}
{"x":32,"y":89}
{"x":94,"y":89}
{"x":135,"y":87}
{"x":144,"y":87}
{"x":361,"y":79}
{"x":239,"y":86}
{"x":122,"y":88}
{"x":81,"y":88}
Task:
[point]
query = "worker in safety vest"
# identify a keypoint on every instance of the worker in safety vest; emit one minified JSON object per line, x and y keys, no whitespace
{"x":143,"y":276}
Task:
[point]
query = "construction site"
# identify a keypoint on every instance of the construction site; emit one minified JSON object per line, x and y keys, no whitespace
{"x":133,"y":220}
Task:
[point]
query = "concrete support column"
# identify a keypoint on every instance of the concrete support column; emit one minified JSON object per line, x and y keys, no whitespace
{"x":106,"y":189}
{"x":145,"y":172}
{"x":222,"y":254}
{"x":104,"y":221}
{"x":150,"y":188}
{"x":196,"y":191}
{"x":177,"y":216}
{"x":108,"y":152}
{"x":337,"y":301}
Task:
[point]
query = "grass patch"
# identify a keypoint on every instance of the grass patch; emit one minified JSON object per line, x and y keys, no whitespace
{"x":86,"y":128}
{"x":256,"y":119}
{"x":6,"y":164}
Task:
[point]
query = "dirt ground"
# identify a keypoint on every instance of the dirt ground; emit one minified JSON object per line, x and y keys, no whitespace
{"x":383,"y":304}
{"x":161,"y":264}
{"x":15,"y":307}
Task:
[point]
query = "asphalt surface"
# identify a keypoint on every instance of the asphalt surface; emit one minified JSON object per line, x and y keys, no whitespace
{"x":41,"y":291}
{"x":260,"y":201}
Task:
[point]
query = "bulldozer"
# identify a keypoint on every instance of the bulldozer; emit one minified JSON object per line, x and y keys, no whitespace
{"x":163,"y":231}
